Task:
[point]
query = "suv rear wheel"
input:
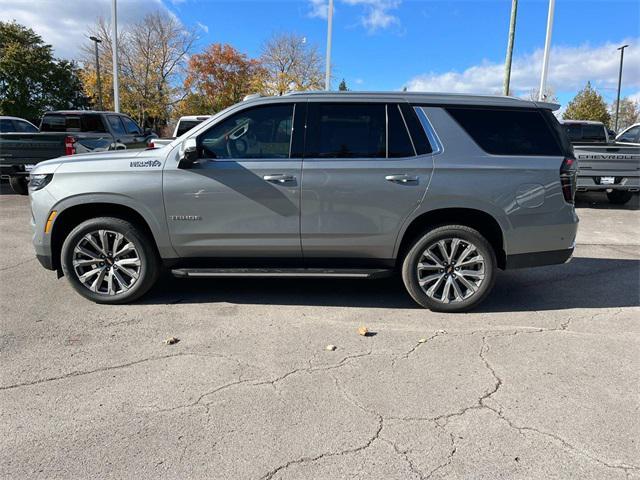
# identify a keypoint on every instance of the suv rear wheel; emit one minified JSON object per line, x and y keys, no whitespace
{"x":451,"y":268}
{"x":19,"y":185}
{"x":109,"y":260}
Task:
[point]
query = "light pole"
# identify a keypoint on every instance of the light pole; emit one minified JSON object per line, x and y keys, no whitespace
{"x":619,"y":84}
{"x":547,"y":47}
{"x":327,"y":71}
{"x":96,"y":41}
{"x":114,"y":43}
{"x":512,"y":34}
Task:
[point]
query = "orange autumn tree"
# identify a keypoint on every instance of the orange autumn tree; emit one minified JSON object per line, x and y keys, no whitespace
{"x":217,"y":78}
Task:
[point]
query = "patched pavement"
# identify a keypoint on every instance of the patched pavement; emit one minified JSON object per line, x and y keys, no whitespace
{"x":541,"y":382}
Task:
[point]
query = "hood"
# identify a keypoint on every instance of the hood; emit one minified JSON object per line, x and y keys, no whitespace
{"x":50,"y":166}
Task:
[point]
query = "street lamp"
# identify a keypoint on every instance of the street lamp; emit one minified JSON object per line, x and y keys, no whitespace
{"x":619,"y":83}
{"x":96,"y":41}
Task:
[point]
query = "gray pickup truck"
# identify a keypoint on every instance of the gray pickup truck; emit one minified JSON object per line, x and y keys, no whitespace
{"x":604,"y":164}
{"x":445,"y":189}
{"x":66,"y":133}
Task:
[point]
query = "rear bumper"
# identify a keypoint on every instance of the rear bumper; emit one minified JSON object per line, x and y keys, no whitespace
{"x":539,"y":259}
{"x":594,"y":183}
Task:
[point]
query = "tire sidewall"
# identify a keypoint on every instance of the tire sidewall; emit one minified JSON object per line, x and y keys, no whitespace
{"x":148,"y":259}
{"x":410,"y":274}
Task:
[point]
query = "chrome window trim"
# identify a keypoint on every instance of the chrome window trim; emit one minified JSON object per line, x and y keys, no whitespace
{"x":434,"y":140}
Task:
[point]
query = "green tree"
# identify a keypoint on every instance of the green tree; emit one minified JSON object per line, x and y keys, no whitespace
{"x":32,"y":81}
{"x":588,"y":105}
{"x":628,"y":115}
{"x":343,"y":86}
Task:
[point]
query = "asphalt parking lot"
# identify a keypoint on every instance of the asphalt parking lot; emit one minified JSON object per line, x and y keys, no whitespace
{"x":541,"y":382}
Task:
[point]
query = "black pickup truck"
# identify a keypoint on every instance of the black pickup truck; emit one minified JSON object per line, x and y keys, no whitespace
{"x":604,"y":164}
{"x":66,"y":133}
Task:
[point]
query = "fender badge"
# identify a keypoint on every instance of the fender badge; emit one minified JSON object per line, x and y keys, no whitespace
{"x":145,"y":163}
{"x":193,"y":218}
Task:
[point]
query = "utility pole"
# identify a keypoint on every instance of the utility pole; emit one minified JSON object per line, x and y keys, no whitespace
{"x":327,"y":70}
{"x":619,"y":84}
{"x":512,"y":34}
{"x":114,"y":25}
{"x":547,"y":48}
{"x":96,"y":40}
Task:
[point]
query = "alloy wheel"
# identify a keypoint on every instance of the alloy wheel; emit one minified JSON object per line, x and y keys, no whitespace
{"x":106,"y":262}
{"x":451,"y":270}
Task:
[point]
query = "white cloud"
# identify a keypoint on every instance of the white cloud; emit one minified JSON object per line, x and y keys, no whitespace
{"x":377,"y":12}
{"x":65,"y":26}
{"x":203,"y":27}
{"x":569,"y":70}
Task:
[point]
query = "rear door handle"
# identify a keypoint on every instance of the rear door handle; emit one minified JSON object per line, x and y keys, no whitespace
{"x":402,"y":178}
{"x":279,"y":178}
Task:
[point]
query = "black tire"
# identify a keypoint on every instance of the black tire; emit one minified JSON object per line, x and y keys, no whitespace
{"x":619,"y":197}
{"x":145,"y":251}
{"x":19,"y":185}
{"x":448,"y":233}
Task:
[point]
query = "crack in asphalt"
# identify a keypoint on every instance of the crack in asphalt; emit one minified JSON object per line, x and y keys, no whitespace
{"x":406,"y":355}
{"x":17,"y":264}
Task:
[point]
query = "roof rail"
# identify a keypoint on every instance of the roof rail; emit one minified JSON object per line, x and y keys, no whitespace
{"x":251,"y":96}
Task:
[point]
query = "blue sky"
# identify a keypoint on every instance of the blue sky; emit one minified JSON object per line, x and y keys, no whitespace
{"x":387,"y":44}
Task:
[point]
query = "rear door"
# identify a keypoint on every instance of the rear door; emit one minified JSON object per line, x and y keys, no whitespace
{"x":362,"y":177}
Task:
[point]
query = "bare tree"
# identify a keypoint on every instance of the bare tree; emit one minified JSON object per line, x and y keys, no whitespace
{"x":291,"y":64}
{"x":549,"y":95}
{"x":153,"y":55}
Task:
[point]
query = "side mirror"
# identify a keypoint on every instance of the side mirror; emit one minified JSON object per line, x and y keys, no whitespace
{"x":188,"y":154}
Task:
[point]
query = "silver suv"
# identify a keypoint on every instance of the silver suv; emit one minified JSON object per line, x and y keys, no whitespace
{"x":444,"y":188}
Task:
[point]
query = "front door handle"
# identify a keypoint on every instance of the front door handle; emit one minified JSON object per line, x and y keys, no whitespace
{"x":402,"y":178}
{"x":279,"y":178}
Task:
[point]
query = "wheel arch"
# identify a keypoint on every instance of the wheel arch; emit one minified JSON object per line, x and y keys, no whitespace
{"x":72,"y":216}
{"x":479,"y":220}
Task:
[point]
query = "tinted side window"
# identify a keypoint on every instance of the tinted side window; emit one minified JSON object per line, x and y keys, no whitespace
{"x":6,"y":125}
{"x":346,"y":130}
{"x":260,"y":132}
{"x":91,"y":123}
{"x":186,"y":125}
{"x":25,"y":127}
{"x":116,"y":124}
{"x":630,"y":135}
{"x":508,"y":132}
{"x":131,"y":126}
{"x":399,"y":142}
{"x":53,"y":123}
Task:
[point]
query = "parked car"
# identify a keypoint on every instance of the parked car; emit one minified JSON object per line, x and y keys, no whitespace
{"x":605,"y":164}
{"x":630,"y":135}
{"x":446,"y":189}
{"x":16,"y":124}
{"x":66,"y":133}
{"x":184,"y":124}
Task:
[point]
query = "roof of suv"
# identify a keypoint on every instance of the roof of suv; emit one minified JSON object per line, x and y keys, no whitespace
{"x":429,"y":98}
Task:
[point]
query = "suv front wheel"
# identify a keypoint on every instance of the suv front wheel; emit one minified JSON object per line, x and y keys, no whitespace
{"x":109,"y":260}
{"x":451,"y":268}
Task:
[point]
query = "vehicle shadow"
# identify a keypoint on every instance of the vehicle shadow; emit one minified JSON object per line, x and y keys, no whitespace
{"x":599,"y":201}
{"x":583,"y":283}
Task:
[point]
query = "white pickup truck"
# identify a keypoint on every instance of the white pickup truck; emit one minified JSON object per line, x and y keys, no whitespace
{"x":185,"y":124}
{"x":604,"y":164}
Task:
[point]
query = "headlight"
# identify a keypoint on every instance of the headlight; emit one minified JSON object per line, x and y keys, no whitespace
{"x":37,"y":182}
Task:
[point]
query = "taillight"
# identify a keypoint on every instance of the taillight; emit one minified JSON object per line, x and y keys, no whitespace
{"x":568,"y":174}
{"x":150,"y":144}
{"x":69,"y":145}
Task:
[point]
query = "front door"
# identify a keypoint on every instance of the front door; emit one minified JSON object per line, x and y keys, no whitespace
{"x":363,"y":177}
{"x":242,"y":198}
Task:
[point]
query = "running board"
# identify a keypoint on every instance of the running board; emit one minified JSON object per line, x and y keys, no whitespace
{"x":281,"y":272}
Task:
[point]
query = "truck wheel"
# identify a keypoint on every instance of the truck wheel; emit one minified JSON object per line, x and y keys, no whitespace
{"x":619,"y":197}
{"x":109,"y":260}
{"x":19,"y":185}
{"x":451,"y":268}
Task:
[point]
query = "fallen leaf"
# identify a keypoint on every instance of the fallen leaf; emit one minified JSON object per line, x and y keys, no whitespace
{"x":363,"y":331}
{"x":422,"y":340}
{"x":171,"y":340}
{"x":330,"y":348}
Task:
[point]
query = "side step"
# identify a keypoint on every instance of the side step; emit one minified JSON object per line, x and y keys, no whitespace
{"x":281,"y":272}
